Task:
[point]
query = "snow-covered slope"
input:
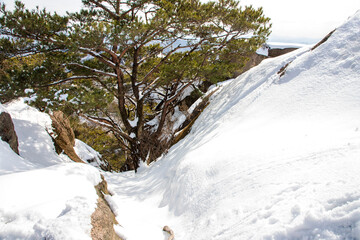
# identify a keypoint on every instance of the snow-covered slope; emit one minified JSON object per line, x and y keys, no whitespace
{"x":42,"y":195}
{"x":274,"y":156}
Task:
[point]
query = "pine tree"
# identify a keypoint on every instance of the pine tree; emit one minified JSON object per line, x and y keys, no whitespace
{"x":141,"y":53}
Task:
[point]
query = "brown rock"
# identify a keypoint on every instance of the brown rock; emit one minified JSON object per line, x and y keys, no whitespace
{"x":323,"y":40}
{"x":65,"y":137}
{"x":254,"y":60}
{"x":103,"y":219}
{"x":170,"y":231}
{"x":275,"y":52}
{"x":7,"y":131}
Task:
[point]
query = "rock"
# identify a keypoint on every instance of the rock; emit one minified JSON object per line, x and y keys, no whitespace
{"x":7,"y":131}
{"x":103,"y":219}
{"x":275,"y":52}
{"x":323,"y":40}
{"x":64,"y":137}
{"x":171,"y":232}
{"x":254,"y":60}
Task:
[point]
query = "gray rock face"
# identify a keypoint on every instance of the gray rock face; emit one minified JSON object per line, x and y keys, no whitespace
{"x":7,"y":131}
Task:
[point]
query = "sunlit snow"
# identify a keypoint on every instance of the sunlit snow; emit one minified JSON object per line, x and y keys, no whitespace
{"x":276,"y":155}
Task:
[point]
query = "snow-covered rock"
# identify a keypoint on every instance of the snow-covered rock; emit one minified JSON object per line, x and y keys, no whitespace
{"x":274,"y":156}
{"x":88,"y":154}
{"x":43,"y":195}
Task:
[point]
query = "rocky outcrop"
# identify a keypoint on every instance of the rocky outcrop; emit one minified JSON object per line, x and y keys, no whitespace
{"x":254,"y":60}
{"x":7,"y":131}
{"x":103,"y":219}
{"x":323,"y":40}
{"x":275,"y":52}
{"x":64,"y":137}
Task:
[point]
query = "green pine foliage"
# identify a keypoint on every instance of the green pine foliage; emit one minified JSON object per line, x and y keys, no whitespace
{"x":125,"y":64}
{"x":102,"y":141}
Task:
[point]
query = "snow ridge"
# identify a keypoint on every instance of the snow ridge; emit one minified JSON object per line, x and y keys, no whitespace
{"x":272,"y":157}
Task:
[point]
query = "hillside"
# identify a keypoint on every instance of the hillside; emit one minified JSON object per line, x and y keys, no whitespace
{"x":274,"y":156}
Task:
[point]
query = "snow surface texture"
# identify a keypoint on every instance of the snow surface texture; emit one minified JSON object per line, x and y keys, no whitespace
{"x":35,"y":144}
{"x":272,"y":157}
{"x":43,"y":195}
{"x":88,"y":154}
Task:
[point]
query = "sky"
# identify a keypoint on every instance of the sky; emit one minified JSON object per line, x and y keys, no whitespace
{"x":305,"y":21}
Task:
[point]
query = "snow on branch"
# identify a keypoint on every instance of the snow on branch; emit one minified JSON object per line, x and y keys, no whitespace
{"x":93,"y":70}
{"x":68,"y":79}
{"x":98,"y":56}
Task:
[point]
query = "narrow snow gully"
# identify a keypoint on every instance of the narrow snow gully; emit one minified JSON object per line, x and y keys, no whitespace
{"x":274,"y":156}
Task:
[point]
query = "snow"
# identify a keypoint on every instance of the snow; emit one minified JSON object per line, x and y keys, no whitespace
{"x":88,"y":154}
{"x":52,"y":203}
{"x":264,"y":50}
{"x":178,"y":118}
{"x":32,"y":128}
{"x":272,"y":157}
{"x":43,"y":195}
{"x":282,"y":45}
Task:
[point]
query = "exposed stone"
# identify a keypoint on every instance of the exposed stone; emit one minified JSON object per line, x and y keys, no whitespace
{"x":275,"y":52}
{"x":185,"y":128}
{"x":254,"y":60}
{"x":282,"y":70}
{"x":171,"y":232}
{"x":65,"y":137}
{"x":103,"y":219}
{"x":7,"y":131}
{"x":323,"y":40}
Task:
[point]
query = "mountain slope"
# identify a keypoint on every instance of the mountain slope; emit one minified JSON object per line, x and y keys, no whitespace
{"x":274,"y":156}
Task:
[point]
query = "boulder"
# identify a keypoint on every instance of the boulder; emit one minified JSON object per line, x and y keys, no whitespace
{"x":64,"y":137}
{"x":7,"y":131}
{"x":103,"y":219}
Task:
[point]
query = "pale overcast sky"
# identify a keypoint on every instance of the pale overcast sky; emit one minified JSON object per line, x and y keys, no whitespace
{"x":304,"y":21}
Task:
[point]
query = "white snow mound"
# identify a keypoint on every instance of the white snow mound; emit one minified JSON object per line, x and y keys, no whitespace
{"x":43,"y":195}
{"x":272,"y":157}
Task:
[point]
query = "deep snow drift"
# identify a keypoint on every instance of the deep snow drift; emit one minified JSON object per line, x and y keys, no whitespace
{"x":274,"y":156}
{"x":43,"y":195}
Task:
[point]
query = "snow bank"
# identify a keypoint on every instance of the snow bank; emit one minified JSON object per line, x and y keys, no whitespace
{"x":32,"y":128}
{"x":11,"y":162}
{"x":272,"y":157}
{"x":88,"y":154}
{"x":43,"y":195}
{"x":50,"y":203}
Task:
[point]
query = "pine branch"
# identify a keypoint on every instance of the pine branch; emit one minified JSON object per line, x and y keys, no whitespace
{"x":93,"y":70}
{"x":67,"y":80}
{"x":98,"y":56}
